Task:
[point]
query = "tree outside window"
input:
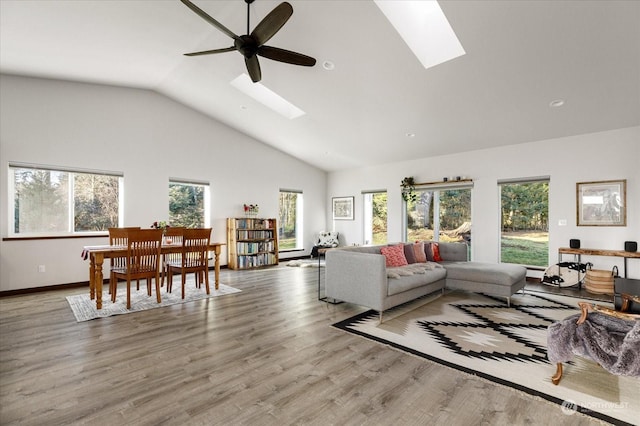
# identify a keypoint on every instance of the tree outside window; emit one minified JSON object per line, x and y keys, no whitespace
{"x":53,"y":202}
{"x":525,"y":222}
{"x":290,"y":220}
{"x":188,"y":204}
{"x":375,"y":217}
{"x":440,"y":214}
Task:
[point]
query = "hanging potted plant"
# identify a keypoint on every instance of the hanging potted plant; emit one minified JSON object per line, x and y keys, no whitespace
{"x":408,"y":189}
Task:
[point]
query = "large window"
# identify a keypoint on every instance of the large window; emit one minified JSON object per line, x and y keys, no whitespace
{"x":375,"y":217}
{"x":188,"y":204}
{"x":290,"y":220}
{"x":525,"y":221}
{"x":51,"y":201}
{"x":440,"y":213}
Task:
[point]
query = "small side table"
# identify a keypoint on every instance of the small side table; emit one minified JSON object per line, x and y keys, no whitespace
{"x":322,"y":252}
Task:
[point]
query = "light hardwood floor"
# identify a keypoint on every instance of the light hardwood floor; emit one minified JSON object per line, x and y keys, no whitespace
{"x":265,"y":356}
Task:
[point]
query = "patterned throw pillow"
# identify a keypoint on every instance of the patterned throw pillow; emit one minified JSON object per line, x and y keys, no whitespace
{"x":418,"y":251}
{"x":408,"y":253}
{"x":394,"y":255}
{"x":329,"y":239}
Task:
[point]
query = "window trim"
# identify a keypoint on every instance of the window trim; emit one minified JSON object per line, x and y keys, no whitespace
{"x":207,"y":196}
{"x":12,"y":236}
{"x":299,"y":222}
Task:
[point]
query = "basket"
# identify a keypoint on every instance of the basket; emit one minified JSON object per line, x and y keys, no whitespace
{"x":599,"y":281}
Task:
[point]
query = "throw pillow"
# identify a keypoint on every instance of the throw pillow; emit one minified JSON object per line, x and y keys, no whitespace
{"x":418,"y":252}
{"x":394,"y":255}
{"x":435,"y":249}
{"x":329,"y":239}
{"x":408,"y":253}
{"x":428,"y":252}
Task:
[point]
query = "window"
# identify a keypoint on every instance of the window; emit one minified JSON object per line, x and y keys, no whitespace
{"x":290,"y":220}
{"x":525,"y":221}
{"x":52,"y":201}
{"x":440,"y":213}
{"x":188,"y":204}
{"x":375,"y":217}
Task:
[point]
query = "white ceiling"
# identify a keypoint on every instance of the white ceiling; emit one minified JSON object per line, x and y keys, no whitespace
{"x":521,"y":55}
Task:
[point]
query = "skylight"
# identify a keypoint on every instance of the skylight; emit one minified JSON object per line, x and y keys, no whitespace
{"x":266,"y":97}
{"x":425,"y":29}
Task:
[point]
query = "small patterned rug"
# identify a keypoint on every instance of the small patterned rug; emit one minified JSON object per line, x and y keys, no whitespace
{"x":480,"y":335}
{"x":84,"y":308}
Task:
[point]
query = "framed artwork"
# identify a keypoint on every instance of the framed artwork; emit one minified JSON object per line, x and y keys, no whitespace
{"x":342,"y":208}
{"x":602,"y":203}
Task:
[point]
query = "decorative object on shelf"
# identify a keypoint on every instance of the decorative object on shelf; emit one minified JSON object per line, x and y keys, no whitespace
{"x":631,"y":246}
{"x":602,"y":203}
{"x":342,"y":208}
{"x":408,"y":189}
{"x":251,"y":210}
{"x":573,"y":243}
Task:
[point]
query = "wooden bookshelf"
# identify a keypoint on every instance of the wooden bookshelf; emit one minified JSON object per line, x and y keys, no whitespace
{"x":251,"y":242}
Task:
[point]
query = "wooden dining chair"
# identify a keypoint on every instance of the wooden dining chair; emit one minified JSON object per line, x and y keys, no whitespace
{"x":142,"y":261}
{"x":118,"y":237}
{"x":174,"y":235}
{"x":194,"y":258}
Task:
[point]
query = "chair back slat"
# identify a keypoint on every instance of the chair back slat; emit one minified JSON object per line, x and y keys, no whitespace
{"x":195,"y":247}
{"x":119,"y":237}
{"x":143,"y":250}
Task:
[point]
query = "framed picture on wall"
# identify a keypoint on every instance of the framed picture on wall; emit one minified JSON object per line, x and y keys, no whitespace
{"x":342,"y":208}
{"x":602,"y":203}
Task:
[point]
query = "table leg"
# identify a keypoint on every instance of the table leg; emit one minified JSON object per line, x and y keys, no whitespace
{"x":99,"y":260}
{"x":92,"y":278}
{"x":217,"y":266}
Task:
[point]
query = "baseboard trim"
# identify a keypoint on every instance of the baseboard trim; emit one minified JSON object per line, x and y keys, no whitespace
{"x":31,"y":290}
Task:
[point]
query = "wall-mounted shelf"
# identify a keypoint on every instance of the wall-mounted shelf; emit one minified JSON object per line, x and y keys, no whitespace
{"x":442,"y":182}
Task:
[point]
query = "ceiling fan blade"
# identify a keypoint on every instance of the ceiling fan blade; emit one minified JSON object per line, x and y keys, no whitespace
{"x":253,"y":66}
{"x":271,"y":23}
{"x":287,"y":56}
{"x":209,"y":19}
{"x":209,"y":52}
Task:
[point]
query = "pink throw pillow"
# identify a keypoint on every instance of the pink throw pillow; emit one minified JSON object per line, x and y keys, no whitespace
{"x":418,"y":251}
{"x":394,"y":255}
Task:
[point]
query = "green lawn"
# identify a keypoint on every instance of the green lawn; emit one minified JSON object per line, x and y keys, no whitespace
{"x":287,"y":244}
{"x":525,"y":251}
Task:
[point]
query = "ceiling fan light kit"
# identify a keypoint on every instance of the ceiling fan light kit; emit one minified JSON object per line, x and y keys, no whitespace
{"x":252,"y":45}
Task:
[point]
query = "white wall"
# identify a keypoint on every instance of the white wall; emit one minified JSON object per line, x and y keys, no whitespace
{"x":149,"y":138}
{"x":591,"y":157}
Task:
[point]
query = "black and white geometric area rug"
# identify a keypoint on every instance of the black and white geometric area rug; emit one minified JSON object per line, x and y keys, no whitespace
{"x":480,"y":335}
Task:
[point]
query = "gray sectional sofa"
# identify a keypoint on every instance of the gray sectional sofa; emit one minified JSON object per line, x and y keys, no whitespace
{"x":359,"y":275}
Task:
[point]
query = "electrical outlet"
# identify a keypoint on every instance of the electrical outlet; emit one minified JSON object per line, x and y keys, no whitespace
{"x":562,"y":222}
{"x":41,"y":268}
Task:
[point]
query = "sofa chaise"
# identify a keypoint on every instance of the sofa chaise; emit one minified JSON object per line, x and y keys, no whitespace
{"x":360,"y":275}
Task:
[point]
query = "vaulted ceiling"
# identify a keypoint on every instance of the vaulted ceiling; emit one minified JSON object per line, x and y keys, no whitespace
{"x":520,"y":56}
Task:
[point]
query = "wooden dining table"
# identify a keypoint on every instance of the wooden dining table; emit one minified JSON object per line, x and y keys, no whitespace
{"x":97,"y":255}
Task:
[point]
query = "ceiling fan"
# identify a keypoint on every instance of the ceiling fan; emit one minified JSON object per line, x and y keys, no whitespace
{"x":252,"y":45}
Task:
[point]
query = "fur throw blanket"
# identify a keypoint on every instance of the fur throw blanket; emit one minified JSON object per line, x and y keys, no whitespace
{"x":611,"y":342}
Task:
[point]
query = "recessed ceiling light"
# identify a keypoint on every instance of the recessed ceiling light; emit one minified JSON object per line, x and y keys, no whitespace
{"x":557,"y":103}
{"x":424,"y":27}
{"x":328,"y":65}
{"x":266,"y":97}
